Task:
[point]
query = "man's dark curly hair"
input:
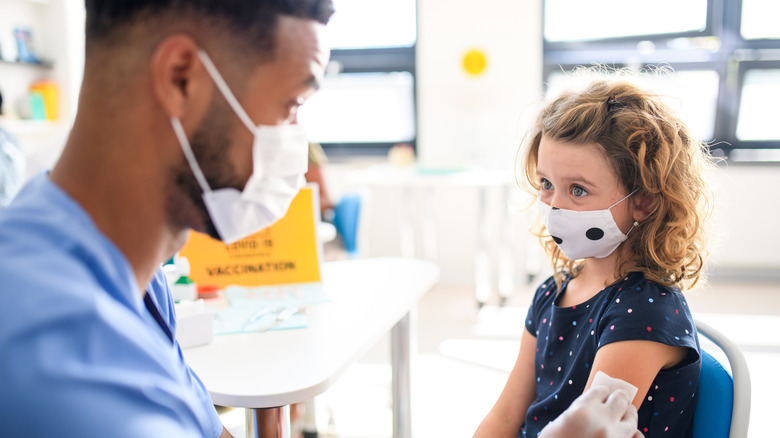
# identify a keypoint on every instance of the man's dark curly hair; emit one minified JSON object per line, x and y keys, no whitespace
{"x":251,"y":21}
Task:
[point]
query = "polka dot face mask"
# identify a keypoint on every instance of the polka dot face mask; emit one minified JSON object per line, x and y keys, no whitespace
{"x":583,"y":234}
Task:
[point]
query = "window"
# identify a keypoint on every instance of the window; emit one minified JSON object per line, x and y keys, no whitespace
{"x":577,"y":20}
{"x":356,"y":108}
{"x":364,"y":24}
{"x":368,"y":101}
{"x":758,"y":115}
{"x":724,"y":55}
{"x":694,"y":93}
{"x":759,"y":19}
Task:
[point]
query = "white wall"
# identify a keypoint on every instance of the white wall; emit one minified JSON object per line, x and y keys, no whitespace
{"x":476,"y":120}
{"x":464,"y":121}
{"x":468,"y":121}
{"x":746,"y":235}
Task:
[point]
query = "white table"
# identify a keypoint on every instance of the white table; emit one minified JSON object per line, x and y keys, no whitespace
{"x":266,"y":372}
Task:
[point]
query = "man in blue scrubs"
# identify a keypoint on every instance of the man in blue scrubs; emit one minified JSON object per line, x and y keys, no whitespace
{"x":186,"y":120}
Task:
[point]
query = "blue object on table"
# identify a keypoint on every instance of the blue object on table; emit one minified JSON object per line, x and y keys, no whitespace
{"x":345,"y":219}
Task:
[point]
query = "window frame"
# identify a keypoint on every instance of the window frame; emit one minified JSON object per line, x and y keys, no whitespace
{"x":711,"y":28}
{"x":744,"y":67}
{"x":374,"y":60}
{"x":733,"y":57}
{"x":734,"y":19}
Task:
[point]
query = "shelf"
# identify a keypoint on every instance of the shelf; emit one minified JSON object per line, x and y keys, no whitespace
{"x":48,"y":65}
{"x":35,"y":2}
{"x":23,"y":127}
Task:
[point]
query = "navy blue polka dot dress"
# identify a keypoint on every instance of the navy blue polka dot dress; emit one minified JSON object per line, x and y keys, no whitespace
{"x":567,"y":339}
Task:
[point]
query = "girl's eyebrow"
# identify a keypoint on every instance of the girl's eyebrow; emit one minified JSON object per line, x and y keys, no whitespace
{"x":583,"y":180}
{"x":573,"y":179}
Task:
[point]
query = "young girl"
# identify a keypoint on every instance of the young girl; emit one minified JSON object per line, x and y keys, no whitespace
{"x":623,"y":205}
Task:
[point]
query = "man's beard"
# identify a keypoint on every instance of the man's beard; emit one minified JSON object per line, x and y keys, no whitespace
{"x":210,"y":144}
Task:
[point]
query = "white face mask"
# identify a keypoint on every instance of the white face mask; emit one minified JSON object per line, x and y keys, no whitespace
{"x":583,"y":234}
{"x":280,"y":157}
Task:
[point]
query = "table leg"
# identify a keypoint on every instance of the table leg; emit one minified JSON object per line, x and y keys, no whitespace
{"x":481,"y":258}
{"x":268,"y":423}
{"x":309,"y":420}
{"x":429,"y":238}
{"x":401,"y":351}
{"x":407,"y":224}
{"x":506,"y":279}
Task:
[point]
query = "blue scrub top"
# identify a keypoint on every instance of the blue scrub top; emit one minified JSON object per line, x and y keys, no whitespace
{"x":80,"y":354}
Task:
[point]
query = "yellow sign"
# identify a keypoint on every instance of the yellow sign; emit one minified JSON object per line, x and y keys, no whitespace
{"x":284,"y":253}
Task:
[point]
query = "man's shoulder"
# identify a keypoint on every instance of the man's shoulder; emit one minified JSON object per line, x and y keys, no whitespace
{"x":40,"y":210}
{"x":42,"y":286}
{"x":55,"y":269}
{"x":49,"y":245}
{"x":39,"y":253}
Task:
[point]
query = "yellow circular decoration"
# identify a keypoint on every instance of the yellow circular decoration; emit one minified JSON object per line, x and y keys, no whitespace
{"x":474,"y":62}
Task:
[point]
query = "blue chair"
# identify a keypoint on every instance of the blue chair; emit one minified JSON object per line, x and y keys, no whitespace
{"x":723,"y":406}
{"x":346,"y":217}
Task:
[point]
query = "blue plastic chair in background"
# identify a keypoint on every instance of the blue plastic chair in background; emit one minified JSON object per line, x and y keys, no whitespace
{"x":346,"y":219}
{"x":723,"y":405}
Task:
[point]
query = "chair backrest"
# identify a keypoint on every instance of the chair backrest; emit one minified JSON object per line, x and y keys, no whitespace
{"x":723,"y":405}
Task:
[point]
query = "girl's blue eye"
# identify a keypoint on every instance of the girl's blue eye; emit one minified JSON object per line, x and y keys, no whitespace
{"x":546,"y":185}
{"x":578,"y":191}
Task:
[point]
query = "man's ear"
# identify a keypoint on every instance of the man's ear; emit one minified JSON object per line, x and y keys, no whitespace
{"x":179,"y":81}
{"x":644,"y":205}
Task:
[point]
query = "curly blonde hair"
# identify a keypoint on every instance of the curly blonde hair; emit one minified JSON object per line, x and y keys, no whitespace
{"x":650,"y":150}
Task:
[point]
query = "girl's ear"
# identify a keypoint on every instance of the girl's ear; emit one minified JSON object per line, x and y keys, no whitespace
{"x":644,"y":205}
